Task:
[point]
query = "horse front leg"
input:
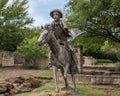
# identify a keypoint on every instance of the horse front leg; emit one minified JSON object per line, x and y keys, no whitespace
{"x":64,"y":73}
{"x":73,"y":80}
{"x":65,"y":79}
{"x":55,"y":78}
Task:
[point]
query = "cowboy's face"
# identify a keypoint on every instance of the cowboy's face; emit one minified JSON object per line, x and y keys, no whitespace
{"x":56,"y":16}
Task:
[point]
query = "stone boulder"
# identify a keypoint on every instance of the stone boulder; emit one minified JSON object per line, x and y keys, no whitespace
{"x":5,"y":87}
{"x":19,"y":85}
{"x":62,"y":93}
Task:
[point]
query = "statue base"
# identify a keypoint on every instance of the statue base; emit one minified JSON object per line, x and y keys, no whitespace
{"x":69,"y":90}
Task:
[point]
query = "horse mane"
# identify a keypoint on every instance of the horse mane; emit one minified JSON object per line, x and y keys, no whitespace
{"x":53,"y":44}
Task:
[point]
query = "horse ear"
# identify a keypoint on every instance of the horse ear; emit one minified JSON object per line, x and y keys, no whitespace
{"x":41,"y":27}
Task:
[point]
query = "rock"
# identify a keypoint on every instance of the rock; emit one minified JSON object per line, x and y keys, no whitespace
{"x":7,"y":94}
{"x":36,"y":83}
{"x":9,"y":87}
{"x":107,"y":73}
{"x":14,"y":91}
{"x":3,"y":87}
{"x":27,"y":84}
{"x":50,"y":95}
{"x":2,"y":95}
{"x":19,"y":85}
{"x":19,"y":80}
{"x":25,"y":89}
{"x":32,"y":82}
{"x":16,"y":85}
{"x":10,"y":80}
{"x":62,"y":93}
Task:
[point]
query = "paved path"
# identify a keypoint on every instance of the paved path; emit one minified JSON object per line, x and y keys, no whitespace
{"x":11,"y":72}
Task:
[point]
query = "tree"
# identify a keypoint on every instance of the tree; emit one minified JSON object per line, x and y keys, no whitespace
{"x":29,"y":48}
{"x":13,"y":23}
{"x":98,"y":18}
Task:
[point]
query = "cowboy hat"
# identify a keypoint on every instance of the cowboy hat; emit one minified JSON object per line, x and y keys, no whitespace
{"x":56,"y":10}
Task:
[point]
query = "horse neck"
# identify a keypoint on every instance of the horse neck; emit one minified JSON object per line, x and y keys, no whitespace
{"x":54,"y":46}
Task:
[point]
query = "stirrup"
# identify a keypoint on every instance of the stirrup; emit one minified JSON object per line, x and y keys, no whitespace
{"x":49,"y":65}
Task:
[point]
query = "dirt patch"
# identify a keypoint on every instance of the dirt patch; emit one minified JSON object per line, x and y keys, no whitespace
{"x":11,"y":72}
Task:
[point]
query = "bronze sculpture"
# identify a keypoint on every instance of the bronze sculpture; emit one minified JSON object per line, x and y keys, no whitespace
{"x":62,"y":55}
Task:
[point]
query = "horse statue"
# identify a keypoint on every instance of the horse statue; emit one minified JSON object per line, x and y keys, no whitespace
{"x":62,"y":58}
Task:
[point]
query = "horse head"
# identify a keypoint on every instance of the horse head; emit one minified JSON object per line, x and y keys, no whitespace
{"x":43,"y":37}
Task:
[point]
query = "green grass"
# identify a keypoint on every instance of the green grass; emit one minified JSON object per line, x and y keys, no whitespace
{"x":20,"y":94}
{"x":87,"y":90}
{"x":82,"y":89}
{"x":46,"y":86}
{"x":107,"y":61}
{"x":46,"y":73}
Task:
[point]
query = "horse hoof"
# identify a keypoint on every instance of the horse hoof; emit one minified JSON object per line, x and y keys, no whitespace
{"x":70,"y":91}
{"x":75,"y":90}
{"x":66,"y":88}
{"x":63,"y":89}
{"x":56,"y":91}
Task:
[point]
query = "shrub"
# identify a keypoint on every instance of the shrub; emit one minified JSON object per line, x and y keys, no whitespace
{"x":102,"y":61}
{"x":117,"y":68}
{"x":30,"y":66}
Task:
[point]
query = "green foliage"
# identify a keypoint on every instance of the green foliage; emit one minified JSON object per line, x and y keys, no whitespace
{"x":99,"y":19}
{"x":13,"y":23}
{"x":30,"y":66}
{"x":29,"y":48}
{"x":96,"y":61}
{"x":118,"y":54}
{"x":117,"y":68}
{"x":9,"y":42}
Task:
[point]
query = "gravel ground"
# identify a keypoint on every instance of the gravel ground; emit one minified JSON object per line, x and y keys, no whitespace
{"x":11,"y":72}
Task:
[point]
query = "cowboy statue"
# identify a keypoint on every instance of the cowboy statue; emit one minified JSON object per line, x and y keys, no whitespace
{"x":62,"y":54}
{"x":61,"y":32}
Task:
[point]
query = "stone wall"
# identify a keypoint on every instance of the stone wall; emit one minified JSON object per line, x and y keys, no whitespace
{"x":0,"y":59}
{"x":19,"y":59}
{"x":6,"y":58}
{"x":42,"y":62}
{"x":80,"y":59}
{"x":88,"y":60}
{"x":94,"y":79}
